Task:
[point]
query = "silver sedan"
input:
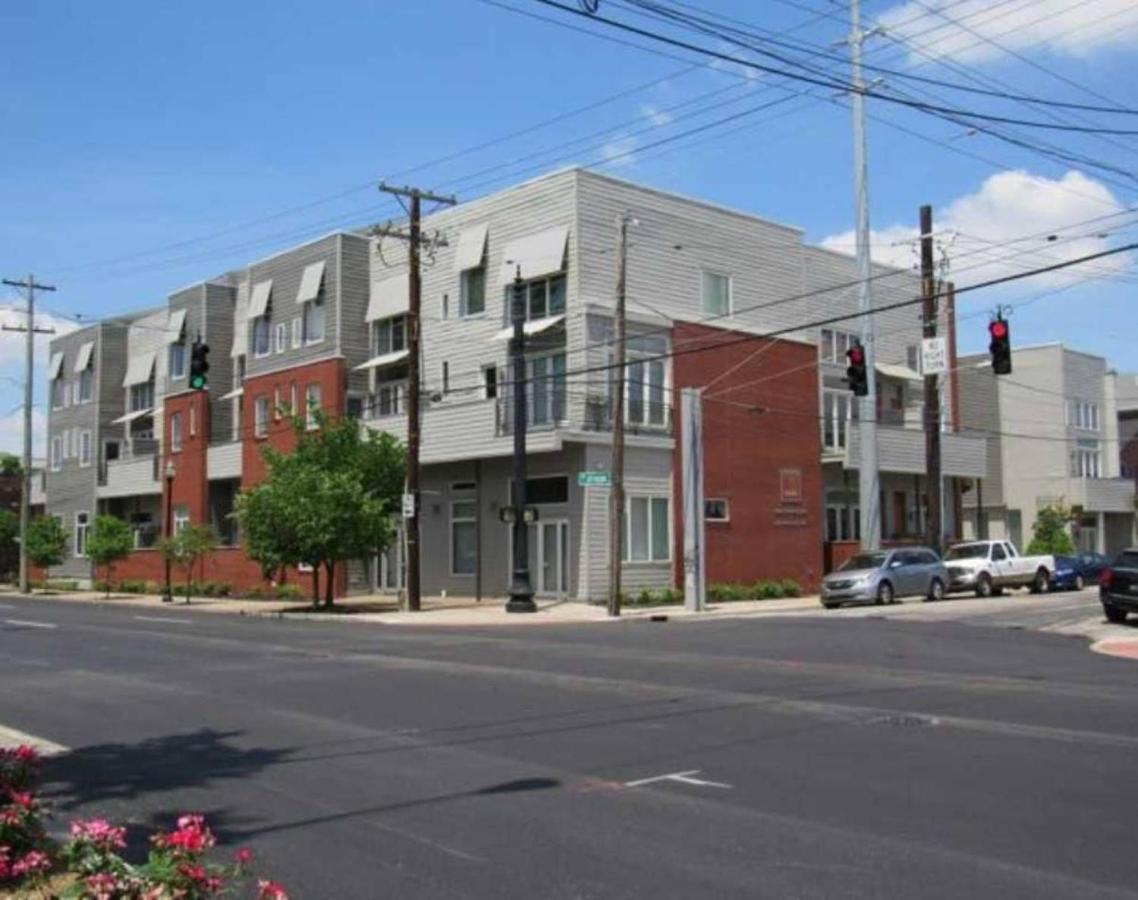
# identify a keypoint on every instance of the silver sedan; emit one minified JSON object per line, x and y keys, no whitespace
{"x":883,"y":576}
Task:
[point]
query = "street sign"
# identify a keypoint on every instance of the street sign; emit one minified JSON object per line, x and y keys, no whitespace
{"x":934,"y":356}
{"x":408,"y":506}
{"x":594,"y":479}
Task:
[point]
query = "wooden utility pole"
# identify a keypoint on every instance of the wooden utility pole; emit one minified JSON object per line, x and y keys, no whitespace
{"x":30,"y":287}
{"x":414,"y":238}
{"x":616,"y":500}
{"x":934,"y":530}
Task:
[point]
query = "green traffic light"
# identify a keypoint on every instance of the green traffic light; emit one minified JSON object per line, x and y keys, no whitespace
{"x":197,"y":382}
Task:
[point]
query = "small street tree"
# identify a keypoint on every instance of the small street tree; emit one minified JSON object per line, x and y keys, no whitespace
{"x":9,"y":531}
{"x":10,"y":465}
{"x":1050,"y":535}
{"x":189,"y":547}
{"x":47,"y":542}
{"x":110,"y":540}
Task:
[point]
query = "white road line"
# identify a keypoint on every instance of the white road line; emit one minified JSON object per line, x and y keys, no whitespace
{"x":162,"y":619}
{"x":6,"y":606}
{"x":10,"y":737}
{"x":26,"y":624}
{"x":681,"y":777}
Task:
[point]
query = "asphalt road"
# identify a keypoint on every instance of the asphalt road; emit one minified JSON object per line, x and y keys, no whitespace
{"x":856,"y":754}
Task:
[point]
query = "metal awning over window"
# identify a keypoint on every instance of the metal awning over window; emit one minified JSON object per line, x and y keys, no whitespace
{"x":471,"y":248}
{"x":534,"y":326}
{"x":55,"y":367}
{"x":535,"y":255}
{"x":83,"y":360}
{"x":385,"y":359}
{"x":139,"y":369}
{"x":259,"y":299}
{"x":892,"y":370}
{"x":175,"y":325}
{"x":310,"y":282}
{"x":389,"y":298}
{"x":131,"y":416}
{"x":233,"y":394}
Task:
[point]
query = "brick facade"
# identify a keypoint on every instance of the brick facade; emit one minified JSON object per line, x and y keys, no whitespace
{"x":761,"y":454}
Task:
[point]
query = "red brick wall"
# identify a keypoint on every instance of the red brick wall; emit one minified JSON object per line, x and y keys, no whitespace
{"x":225,"y":565}
{"x":761,"y":453}
{"x":190,"y":486}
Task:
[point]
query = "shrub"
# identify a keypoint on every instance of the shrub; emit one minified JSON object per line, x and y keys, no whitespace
{"x":56,"y":584}
{"x":791,"y":588}
{"x":768,"y":590}
{"x":725,"y":592}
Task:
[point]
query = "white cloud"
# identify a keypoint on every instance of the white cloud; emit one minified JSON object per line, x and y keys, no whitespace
{"x":12,"y":345}
{"x":657,"y":117}
{"x":969,"y":29}
{"x":620,"y":151}
{"x":12,"y":431}
{"x":1004,"y":228}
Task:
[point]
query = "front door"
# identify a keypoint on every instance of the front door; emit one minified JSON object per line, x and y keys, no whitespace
{"x":549,"y":557}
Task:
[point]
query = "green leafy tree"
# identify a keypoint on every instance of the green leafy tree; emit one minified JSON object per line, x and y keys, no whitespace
{"x":329,"y":501}
{"x":110,"y":540}
{"x":1050,"y":535}
{"x":47,"y":542}
{"x":10,"y":465}
{"x":189,"y":547}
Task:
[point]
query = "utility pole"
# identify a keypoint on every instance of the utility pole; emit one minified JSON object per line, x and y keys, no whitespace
{"x":30,"y":286}
{"x":414,"y":238}
{"x":521,"y":585}
{"x":695,"y":528}
{"x":616,"y":500}
{"x":869,"y":487}
{"x":934,"y":530}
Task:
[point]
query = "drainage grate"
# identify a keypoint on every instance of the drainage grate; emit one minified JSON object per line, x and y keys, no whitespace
{"x":903,"y":721}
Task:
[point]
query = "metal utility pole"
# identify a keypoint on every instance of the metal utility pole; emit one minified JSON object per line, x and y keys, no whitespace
{"x":869,"y":486}
{"x":616,"y":500}
{"x":695,"y":529}
{"x":414,"y":238}
{"x":934,"y":530}
{"x":521,"y":587}
{"x":30,"y":286}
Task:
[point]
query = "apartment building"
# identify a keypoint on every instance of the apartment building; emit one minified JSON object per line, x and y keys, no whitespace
{"x":1053,"y":429}
{"x":323,"y":326}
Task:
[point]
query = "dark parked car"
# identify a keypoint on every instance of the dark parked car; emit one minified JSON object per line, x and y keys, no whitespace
{"x":1118,"y":587}
{"x":1076,"y":572}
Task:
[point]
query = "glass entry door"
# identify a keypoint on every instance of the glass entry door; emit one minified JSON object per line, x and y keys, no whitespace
{"x":548,"y":557}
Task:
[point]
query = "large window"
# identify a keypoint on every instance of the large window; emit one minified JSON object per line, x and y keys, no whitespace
{"x":56,"y":453}
{"x":716,"y":294}
{"x":389,"y":398}
{"x":843,"y":523}
{"x":181,"y":519}
{"x":646,"y":393}
{"x":86,"y":385}
{"x":282,"y":336}
{"x":1086,"y":459}
{"x":85,"y":448}
{"x":262,"y":336}
{"x":835,"y":343}
{"x":312,"y":400}
{"x":546,"y":389}
{"x":314,"y":320}
{"x":472,"y":292}
{"x":1083,"y":414}
{"x":261,"y":416}
{"x":838,"y":410}
{"x":58,"y":393}
{"x":463,"y":537}
{"x":142,"y":396}
{"x":176,"y":433}
{"x":82,"y":523}
{"x":177,"y":359}
{"x":389,"y":335}
{"x":648,"y":529}
{"x":543,"y":297}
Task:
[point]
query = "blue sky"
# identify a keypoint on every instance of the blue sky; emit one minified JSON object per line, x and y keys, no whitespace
{"x":150,"y":145}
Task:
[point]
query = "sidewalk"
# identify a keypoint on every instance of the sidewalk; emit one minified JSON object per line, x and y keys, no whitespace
{"x":382,"y":609}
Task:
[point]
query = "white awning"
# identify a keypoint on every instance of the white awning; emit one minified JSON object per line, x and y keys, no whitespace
{"x":310,"y":282}
{"x":535,"y":255}
{"x":389,"y":298}
{"x":259,"y":300}
{"x":233,"y":394}
{"x":240,"y":323}
{"x":892,"y":370}
{"x":471,"y":248}
{"x":175,"y":325}
{"x":139,"y":368}
{"x":55,"y":367}
{"x":83,"y":360}
{"x":385,"y":359}
{"x":131,"y":416}
{"x":534,"y":326}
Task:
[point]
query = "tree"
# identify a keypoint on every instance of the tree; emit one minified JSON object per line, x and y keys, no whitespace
{"x":189,"y":547}
{"x":109,"y":541}
{"x":9,"y":530}
{"x":329,"y":501}
{"x":10,"y":465}
{"x":47,"y":542}
{"x":1050,"y":535}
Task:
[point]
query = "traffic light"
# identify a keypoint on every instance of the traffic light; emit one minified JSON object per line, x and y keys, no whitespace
{"x":199,"y":365}
{"x":1001,"y":345}
{"x":856,"y":375}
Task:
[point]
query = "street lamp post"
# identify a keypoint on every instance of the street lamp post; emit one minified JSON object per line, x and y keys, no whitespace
{"x":521,"y":589}
{"x":171,"y":471}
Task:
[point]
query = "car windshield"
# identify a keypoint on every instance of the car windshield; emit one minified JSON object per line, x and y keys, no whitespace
{"x":1068,"y":562}
{"x":863,"y":561}
{"x":1127,"y":559}
{"x":967,"y":551}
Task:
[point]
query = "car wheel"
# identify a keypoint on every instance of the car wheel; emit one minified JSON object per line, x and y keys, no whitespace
{"x":1113,"y":614}
{"x":1041,"y":582}
{"x":984,"y":585}
{"x":1079,"y":583}
{"x":831,"y":605}
{"x":936,"y":590}
{"x":884,"y":594}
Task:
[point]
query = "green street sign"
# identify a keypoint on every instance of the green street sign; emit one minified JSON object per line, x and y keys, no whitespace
{"x":594,"y":479}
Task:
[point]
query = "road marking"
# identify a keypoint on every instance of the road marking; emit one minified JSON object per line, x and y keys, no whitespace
{"x":10,"y":737}
{"x":26,"y":624}
{"x":161,"y":619}
{"x":6,"y":606}
{"x":681,"y":777}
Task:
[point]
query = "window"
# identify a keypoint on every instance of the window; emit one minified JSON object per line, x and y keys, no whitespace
{"x":648,"y":530}
{"x":838,"y":408}
{"x":462,"y":487}
{"x":835,"y":344}
{"x":463,"y":537}
{"x":716,"y":510}
{"x":489,"y":382}
{"x":142,"y":396}
{"x":913,"y":357}
{"x":297,"y":332}
{"x":181,"y":519}
{"x":282,"y":336}
{"x":277,"y":411}
{"x":85,"y":448}
{"x":716,"y":294}
{"x":86,"y":385}
{"x":646,"y":392}
{"x":58,"y":393}
{"x":261,"y":416}
{"x":389,"y":399}
{"x":389,"y":335}
{"x":312,"y":406}
{"x":292,"y":404}
{"x":998,"y":553}
{"x":262,"y":337}
{"x":472,"y":299}
{"x":543,"y":297}
{"x":1086,"y":459}
{"x":56,"y":453}
{"x":81,"y":525}
{"x":1083,"y":414}
{"x":546,"y":393}
{"x":314,"y":320}
{"x":193,"y":421}
{"x":177,"y":360}
{"x":843,"y":523}
{"x":549,"y":489}
{"x":176,"y":433}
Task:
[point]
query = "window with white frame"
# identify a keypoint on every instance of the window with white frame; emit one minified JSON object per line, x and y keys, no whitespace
{"x":86,"y":385}
{"x":389,"y":397}
{"x":262,"y":336}
{"x":388,"y":335}
{"x":716,"y":294}
{"x":297,"y":332}
{"x":645,"y":381}
{"x":85,"y":448}
{"x":314,"y":320}
{"x":176,"y":357}
{"x":1083,"y":414}
{"x":56,"y":453}
{"x":261,"y":416}
{"x":546,"y":393}
{"x":648,"y":530}
{"x":312,"y":400}
{"x":282,"y":336}
{"x":717,"y":509}
{"x":463,"y":537}
{"x":82,"y":525}
{"x":278,"y":410}
{"x":142,"y":396}
{"x":181,"y":519}
{"x":489,"y":382}
{"x":843,"y":523}
{"x":835,"y":343}
{"x":58,"y":393}
{"x":1086,"y":459}
{"x":838,"y":410}
{"x":176,"y":433}
{"x":543,"y":297}
{"x":472,"y":292}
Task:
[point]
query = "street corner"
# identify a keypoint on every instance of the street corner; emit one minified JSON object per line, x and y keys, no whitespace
{"x":1122,"y":647}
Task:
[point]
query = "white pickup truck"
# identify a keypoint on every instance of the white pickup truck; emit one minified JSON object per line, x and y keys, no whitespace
{"x":987,"y":567}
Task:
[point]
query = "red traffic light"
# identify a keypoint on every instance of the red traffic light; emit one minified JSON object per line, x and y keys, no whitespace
{"x":998,"y":329}
{"x":856,"y":355}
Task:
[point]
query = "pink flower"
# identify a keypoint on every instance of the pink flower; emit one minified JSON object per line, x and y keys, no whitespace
{"x":103,"y":886}
{"x":25,"y":799}
{"x":99,"y":832}
{"x":244,"y":856}
{"x":270,"y":890}
{"x":194,"y":873}
{"x":33,"y":862}
{"x":197,"y":823}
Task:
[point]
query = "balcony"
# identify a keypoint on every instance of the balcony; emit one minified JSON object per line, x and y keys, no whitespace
{"x":903,"y":450}
{"x":1111,"y":495}
{"x":129,"y":477}
{"x":224,"y":460}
